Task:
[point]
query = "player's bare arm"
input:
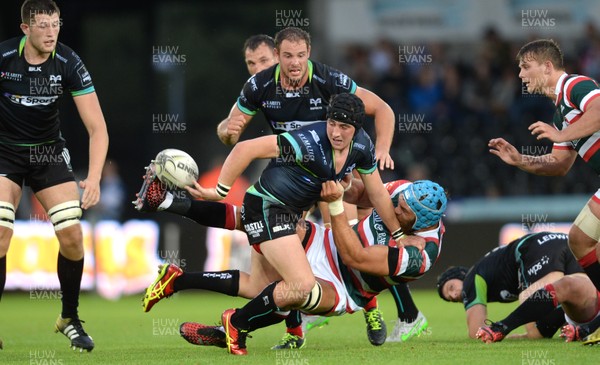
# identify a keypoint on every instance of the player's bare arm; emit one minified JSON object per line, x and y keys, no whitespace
{"x":556,"y":163}
{"x":476,"y":316}
{"x":380,"y":198}
{"x":588,"y":124}
{"x":384,"y":125}
{"x":238,"y":160}
{"x":231,"y":128}
{"x":93,"y":119}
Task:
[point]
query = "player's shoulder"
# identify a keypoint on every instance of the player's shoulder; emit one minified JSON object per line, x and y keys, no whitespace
{"x":10,"y":47}
{"x":326,"y":74}
{"x":66,"y":54}
{"x":574,"y":81}
{"x":396,"y":187}
{"x":264,"y":78}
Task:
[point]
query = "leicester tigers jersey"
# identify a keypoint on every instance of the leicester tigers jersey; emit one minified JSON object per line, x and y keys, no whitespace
{"x":575,"y":92}
{"x":412,"y":263}
{"x":288,"y":110}
{"x":306,"y":160}
{"x":29,"y":93}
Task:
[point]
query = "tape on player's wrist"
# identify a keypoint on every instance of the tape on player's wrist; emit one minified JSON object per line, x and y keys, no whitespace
{"x":222,"y":189}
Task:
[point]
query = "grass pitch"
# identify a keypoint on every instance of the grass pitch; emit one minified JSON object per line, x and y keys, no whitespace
{"x":125,"y":335}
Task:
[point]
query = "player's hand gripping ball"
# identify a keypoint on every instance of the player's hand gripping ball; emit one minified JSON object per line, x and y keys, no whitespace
{"x":176,"y":168}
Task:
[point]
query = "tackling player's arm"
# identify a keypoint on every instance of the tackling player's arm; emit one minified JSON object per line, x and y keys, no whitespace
{"x":556,"y":163}
{"x":90,"y":112}
{"x":384,"y":125}
{"x":231,"y":128}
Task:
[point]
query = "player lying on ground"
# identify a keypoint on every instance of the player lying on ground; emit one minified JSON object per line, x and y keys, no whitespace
{"x":511,"y":272}
{"x":575,"y":293}
{"x":407,"y":263}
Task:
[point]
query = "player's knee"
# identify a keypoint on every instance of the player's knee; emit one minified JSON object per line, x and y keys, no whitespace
{"x":313,"y":299}
{"x":585,"y":231}
{"x":7,"y":225}
{"x":65,"y":215}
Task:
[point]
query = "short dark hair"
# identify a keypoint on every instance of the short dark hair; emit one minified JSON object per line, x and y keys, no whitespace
{"x":292,"y":34}
{"x":31,"y":8}
{"x":253,"y":42}
{"x":542,"y":50}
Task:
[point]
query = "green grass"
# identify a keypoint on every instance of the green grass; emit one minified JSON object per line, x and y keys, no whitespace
{"x":125,"y":335}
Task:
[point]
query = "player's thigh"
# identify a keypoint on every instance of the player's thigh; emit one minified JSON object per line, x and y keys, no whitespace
{"x":58,"y":194}
{"x":578,"y":297}
{"x":287,"y":256}
{"x":10,"y":192}
{"x":261,"y":275}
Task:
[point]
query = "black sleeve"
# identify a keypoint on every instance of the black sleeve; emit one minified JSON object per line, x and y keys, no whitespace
{"x":393,"y":257}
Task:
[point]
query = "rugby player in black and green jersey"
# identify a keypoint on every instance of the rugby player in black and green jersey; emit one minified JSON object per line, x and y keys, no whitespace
{"x":294,"y":93}
{"x":509,"y":273}
{"x":35,"y":71}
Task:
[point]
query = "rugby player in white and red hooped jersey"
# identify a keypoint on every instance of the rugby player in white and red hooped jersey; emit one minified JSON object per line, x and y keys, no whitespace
{"x":575,"y":131}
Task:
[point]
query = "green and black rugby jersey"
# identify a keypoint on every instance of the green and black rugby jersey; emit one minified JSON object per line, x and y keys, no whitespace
{"x":29,"y":93}
{"x":288,"y":110}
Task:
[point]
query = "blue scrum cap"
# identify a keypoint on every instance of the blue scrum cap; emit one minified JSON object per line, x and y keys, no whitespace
{"x":427,"y":200}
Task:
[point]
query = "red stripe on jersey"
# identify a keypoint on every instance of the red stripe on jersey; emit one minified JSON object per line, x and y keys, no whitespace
{"x":311,"y":238}
{"x":229,"y":217}
{"x":589,"y":101}
{"x":576,"y":80}
{"x":337,"y":300}
{"x":596,"y":199}
{"x":563,"y":148}
{"x":560,"y":94}
{"x":330,"y":259}
{"x":591,"y":151}
{"x":575,"y":119}
{"x":362,"y":237}
{"x":424,"y":263}
{"x":399,"y":263}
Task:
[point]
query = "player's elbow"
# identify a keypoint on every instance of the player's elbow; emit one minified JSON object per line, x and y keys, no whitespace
{"x":352,"y":260}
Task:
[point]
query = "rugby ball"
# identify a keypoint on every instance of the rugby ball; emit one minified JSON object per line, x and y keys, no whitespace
{"x":176,"y":168}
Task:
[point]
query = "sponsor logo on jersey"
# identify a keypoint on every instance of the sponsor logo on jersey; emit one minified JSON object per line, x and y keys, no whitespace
{"x":319,"y":79}
{"x":31,"y":100}
{"x":507,"y":296}
{"x":350,"y":168}
{"x":55,"y":79}
{"x":342,"y":80}
{"x":271,"y":104}
{"x":35,"y":69}
{"x":359,"y":146}
{"x":84,"y":76}
{"x":282,"y":227}
{"x":253,"y":85}
{"x":533,"y":270}
{"x":551,"y":236}
{"x":254,"y":229}
{"x":315,"y":104}
{"x":11,"y":76}
{"x":9,"y":52}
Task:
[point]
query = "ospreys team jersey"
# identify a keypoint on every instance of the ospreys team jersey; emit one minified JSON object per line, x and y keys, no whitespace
{"x":406,"y":263}
{"x":29,"y":93}
{"x":575,"y":92}
{"x":506,"y":271}
{"x":306,"y":160}
{"x":288,"y":110}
